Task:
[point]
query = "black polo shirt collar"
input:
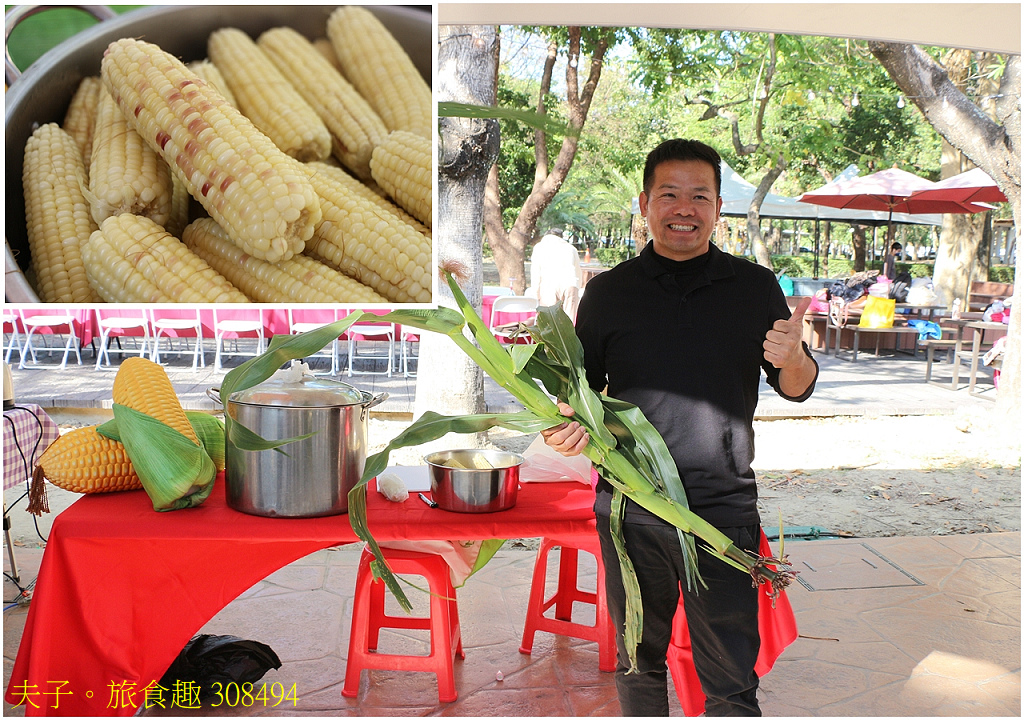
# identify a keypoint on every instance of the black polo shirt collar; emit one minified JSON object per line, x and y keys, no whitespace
{"x":716,"y":268}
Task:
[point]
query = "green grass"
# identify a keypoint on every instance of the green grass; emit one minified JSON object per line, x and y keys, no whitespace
{"x":37,"y":34}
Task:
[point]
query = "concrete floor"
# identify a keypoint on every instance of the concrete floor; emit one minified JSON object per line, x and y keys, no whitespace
{"x":909,"y":627}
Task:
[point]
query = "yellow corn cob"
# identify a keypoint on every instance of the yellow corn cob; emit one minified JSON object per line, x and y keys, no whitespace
{"x":267,"y":98}
{"x":209,"y":72}
{"x":301,"y":279}
{"x":324,"y":47}
{"x":379,"y":67}
{"x":401,"y":165}
{"x":132,"y":259}
{"x":81,"y":115}
{"x":354,"y":126}
{"x":84,"y":461}
{"x":126,"y":175}
{"x":179,"y":207}
{"x":57,"y":215}
{"x":261,"y":196}
{"x":367,"y":242}
{"x":175,"y":469}
{"x":143,"y":385}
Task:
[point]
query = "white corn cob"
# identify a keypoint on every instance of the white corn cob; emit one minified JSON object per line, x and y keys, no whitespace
{"x":401,"y":166}
{"x":381,"y":70}
{"x":209,"y":72}
{"x":81,"y":116}
{"x":368,"y":243}
{"x":354,"y":126}
{"x":131,"y":259}
{"x":266,"y":97}
{"x":126,"y":175}
{"x":259,"y":195}
{"x":301,"y":279}
{"x":57,"y":215}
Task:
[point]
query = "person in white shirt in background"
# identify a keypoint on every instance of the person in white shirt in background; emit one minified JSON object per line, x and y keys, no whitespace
{"x":555,"y":273}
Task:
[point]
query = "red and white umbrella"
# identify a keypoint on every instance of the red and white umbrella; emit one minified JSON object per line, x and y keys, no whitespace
{"x":973,"y":186}
{"x":891,"y":190}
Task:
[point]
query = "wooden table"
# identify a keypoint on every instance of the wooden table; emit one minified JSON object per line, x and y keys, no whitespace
{"x":977,"y":349}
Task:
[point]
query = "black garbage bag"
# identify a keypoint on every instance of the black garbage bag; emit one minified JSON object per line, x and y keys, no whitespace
{"x":224,"y":659}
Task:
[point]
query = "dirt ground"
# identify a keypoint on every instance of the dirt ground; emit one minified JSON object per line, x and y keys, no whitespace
{"x":877,"y":476}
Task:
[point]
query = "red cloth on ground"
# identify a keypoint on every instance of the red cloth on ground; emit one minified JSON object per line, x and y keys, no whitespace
{"x":777,"y":627}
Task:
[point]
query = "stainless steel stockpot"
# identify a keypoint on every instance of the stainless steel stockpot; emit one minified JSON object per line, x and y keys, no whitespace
{"x":306,"y":478}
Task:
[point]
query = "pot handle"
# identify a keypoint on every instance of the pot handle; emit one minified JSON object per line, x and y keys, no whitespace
{"x":20,"y":12}
{"x":370,"y":401}
{"x":214,"y":394}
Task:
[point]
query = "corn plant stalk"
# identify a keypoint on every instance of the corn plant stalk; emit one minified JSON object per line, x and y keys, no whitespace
{"x":624,"y":447}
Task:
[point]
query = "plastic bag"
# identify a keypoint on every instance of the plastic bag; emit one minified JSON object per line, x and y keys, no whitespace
{"x":224,"y":659}
{"x":786,"y":283}
{"x":878,"y":313}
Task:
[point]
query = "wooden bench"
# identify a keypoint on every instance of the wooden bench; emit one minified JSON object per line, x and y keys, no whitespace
{"x":983,"y":293}
{"x":857,"y":330}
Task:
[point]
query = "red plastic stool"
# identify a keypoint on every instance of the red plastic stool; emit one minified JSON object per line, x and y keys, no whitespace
{"x":368,"y":617}
{"x":602,"y":632}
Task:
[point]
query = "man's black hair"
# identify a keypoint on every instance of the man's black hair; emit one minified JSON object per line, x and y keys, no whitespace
{"x":680,"y":149}
{"x":896,"y":246}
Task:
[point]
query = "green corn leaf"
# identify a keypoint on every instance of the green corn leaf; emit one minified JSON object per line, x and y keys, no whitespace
{"x":175,"y":472}
{"x":487,"y":550}
{"x":634,"y":626}
{"x":521,"y":355}
{"x":245,"y":439}
{"x":485,"y":112}
{"x":210,"y":431}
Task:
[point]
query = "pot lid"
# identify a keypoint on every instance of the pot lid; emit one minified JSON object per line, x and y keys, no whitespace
{"x":305,"y":391}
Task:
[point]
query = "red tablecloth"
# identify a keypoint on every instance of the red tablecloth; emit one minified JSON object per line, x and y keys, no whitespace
{"x":122,"y":588}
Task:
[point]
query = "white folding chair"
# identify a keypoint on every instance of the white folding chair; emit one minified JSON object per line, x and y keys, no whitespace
{"x":46,"y":323}
{"x":303,"y":320}
{"x":497,"y":290}
{"x":237,"y":323}
{"x":12,"y":339}
{"x":511,"y":304}
{"x":178,"y":325}
{"x":373,"y":333}
{"x":119,"y":324}
{"x":409,"y":336}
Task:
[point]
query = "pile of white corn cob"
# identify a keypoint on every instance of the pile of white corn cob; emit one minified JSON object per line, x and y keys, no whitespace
{"x":309,"y":163}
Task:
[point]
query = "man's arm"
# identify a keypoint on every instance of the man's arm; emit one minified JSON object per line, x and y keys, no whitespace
{"x":784,"y":348}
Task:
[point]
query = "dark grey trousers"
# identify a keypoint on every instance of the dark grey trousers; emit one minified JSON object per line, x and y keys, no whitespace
{"x":722,"y":620}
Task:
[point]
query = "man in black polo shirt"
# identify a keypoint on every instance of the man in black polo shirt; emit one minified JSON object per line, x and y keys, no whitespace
{"x":683,"y":331}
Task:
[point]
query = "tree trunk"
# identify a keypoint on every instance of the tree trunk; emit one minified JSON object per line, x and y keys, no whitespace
{"x":993,"y":145}
{"x":509,"y":247}
{"x":860,"y":248}
{"x":447,"y":380}
{"x":638,"y":231}
{"x":761,"y":253}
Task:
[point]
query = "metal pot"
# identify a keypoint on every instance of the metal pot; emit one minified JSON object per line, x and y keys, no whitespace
{"x":469,"y":488}
{"x":42,"y":94}
{"x":310,"y":477}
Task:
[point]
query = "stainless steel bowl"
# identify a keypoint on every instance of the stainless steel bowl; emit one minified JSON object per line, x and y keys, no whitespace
{"x":474,"y":490}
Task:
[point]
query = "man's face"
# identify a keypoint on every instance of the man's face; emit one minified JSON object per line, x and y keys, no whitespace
{"x":682,"y":208}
